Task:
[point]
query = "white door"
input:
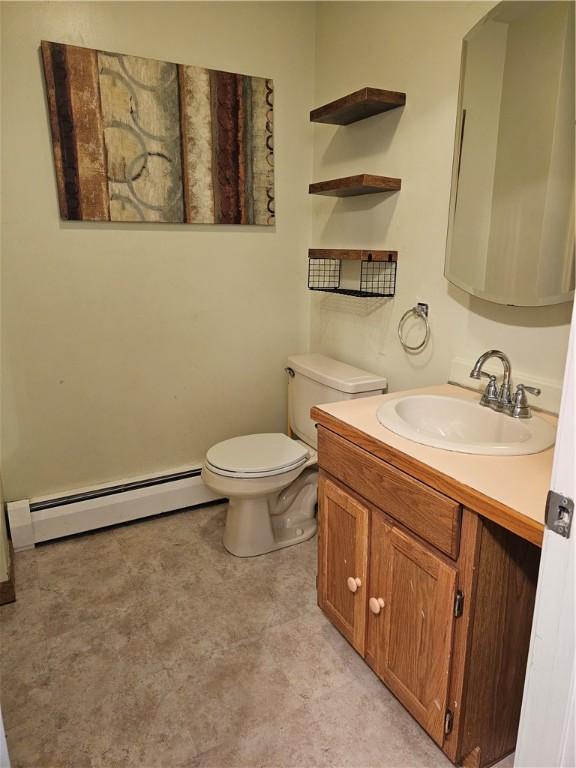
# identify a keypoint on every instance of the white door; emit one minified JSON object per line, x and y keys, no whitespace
{"x":546,"y":737}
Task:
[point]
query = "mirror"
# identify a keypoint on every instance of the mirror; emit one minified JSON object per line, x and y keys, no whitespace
{"x":511,"y":225}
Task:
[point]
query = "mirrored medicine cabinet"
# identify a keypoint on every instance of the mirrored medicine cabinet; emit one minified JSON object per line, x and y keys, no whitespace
{"x":511,"y":223}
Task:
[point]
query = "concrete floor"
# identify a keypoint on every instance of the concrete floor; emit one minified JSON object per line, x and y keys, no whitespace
{"x":148,"y":645}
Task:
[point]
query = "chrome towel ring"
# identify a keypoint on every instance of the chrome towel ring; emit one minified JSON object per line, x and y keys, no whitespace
{"x":421,"y":311}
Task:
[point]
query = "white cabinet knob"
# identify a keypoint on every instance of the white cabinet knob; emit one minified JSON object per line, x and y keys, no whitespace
{"x":376,"y":604}
{"x":353,"y":583}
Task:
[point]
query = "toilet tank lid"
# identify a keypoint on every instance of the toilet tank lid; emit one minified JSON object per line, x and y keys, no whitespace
{"x":333,"y":373}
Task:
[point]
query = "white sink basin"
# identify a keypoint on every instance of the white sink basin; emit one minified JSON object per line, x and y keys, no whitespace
{"x":464,"y":426}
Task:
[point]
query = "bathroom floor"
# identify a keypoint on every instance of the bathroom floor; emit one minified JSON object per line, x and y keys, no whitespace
{"x":148,"y":645}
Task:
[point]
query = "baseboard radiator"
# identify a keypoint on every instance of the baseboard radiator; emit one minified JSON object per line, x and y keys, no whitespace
{"x":52,"y":517}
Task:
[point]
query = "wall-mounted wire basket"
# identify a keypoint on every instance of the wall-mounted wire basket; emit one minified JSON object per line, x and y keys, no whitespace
{"x":377,"y":274}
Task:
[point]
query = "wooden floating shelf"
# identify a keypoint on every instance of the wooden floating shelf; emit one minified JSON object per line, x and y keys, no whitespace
{"x":343,"y":254}
{"x":350,"y":186}
{"x":358,"y":106}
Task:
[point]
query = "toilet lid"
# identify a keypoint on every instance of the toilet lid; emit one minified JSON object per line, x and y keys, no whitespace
{"x":273,"y":452}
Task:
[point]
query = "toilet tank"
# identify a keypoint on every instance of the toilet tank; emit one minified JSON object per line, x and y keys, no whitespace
{"x":316,"y":379}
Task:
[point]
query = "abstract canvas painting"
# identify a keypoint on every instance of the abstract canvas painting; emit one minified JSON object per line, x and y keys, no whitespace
{"x":143,"y":140}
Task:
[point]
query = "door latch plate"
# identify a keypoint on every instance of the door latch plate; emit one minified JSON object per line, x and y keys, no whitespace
{"x":559,"y":513}
{"x":459,"y":604}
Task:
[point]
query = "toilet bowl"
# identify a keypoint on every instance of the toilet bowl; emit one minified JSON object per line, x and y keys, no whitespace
{"x":271,"y":482}
{"x":271,"y":479}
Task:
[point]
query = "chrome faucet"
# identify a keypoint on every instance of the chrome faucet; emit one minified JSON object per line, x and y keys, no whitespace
{"x":497,"y":399}
{"x":501,"y":399}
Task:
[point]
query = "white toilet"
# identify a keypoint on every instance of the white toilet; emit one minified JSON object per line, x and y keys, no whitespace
{"x":271,"y":479}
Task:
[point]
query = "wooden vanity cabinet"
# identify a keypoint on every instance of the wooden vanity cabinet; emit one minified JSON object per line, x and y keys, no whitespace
{"x":436,"y":599}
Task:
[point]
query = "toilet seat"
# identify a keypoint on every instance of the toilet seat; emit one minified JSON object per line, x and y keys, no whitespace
{"x":253,"y":456}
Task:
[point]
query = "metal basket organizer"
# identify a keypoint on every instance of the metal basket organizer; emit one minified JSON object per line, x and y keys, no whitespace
{"x":377,"y":272}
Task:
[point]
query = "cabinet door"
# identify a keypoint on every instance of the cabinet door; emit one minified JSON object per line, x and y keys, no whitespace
{"x":380,"y":532}
{"x":411,"y":621}
{"x":342,"y":561}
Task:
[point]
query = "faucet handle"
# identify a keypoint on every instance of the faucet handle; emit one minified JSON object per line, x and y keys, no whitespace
{"x":525,"y":388}
{"x":490,"y":394}
{"x":519,"y":407}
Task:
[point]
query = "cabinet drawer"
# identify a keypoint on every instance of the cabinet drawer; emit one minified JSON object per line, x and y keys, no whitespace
{"x":431,"y":515}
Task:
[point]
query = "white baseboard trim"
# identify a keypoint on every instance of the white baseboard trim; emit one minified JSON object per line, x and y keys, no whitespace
{"x":35,"y":520}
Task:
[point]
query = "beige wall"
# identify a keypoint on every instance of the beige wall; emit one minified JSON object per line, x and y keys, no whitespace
{"x":129,"y":348}
{"x":412,"y":47}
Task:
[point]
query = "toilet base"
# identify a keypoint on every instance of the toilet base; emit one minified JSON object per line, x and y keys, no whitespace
{"x":281,"y":537}
{"x":255,"y":526}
